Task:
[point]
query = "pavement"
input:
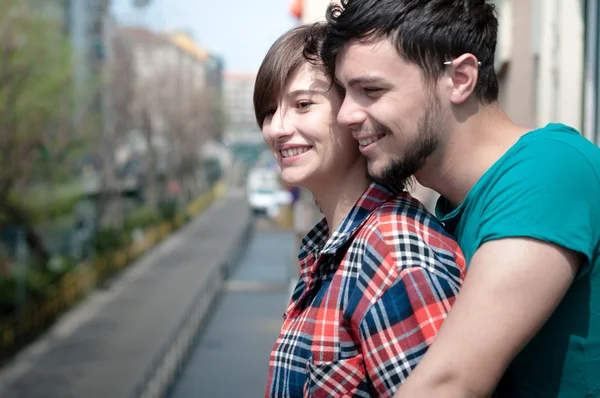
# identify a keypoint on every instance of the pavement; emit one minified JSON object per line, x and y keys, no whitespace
{"x":103,"y":347}
{"x":231,"y":355}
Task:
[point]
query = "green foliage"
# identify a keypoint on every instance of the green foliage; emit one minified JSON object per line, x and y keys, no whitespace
{"x":38,"y":97}
{"x":141,"y":218}
{"x":57,"y":208}
{"x":37,"y":283}
{"x":8,"y":294}
{"x":168,"y":209}
{"x":109,"y":239}
{"x":45,"y":204}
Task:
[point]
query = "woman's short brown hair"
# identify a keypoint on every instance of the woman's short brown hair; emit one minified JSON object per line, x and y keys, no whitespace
{"x":282,"y":59}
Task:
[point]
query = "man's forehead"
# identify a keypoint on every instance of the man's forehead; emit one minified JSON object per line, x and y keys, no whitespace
{"x":364,"y":57}
{"x":366,"y":45}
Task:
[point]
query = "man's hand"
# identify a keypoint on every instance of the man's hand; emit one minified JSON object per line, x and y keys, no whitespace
{"x":512,"y":287}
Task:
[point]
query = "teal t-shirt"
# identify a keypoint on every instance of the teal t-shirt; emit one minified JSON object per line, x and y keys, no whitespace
{"x":546,"y":187}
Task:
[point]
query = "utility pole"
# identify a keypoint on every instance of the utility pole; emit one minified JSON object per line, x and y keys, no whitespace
{"x":110,"y":190}
{"x":78,"y":32}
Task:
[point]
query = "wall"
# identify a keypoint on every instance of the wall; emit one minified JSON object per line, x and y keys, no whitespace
{"x":561,"y":62}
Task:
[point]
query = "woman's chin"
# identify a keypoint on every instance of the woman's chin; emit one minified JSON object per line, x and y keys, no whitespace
{"x":293,"y":180}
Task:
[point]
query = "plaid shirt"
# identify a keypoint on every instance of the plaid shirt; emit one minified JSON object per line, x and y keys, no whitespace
{"x":369,"y":302}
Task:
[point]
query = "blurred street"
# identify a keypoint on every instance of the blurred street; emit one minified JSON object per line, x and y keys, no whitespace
{"x":231,"y":356}
{"x":104,"y":346}
{"x":147,"y":239}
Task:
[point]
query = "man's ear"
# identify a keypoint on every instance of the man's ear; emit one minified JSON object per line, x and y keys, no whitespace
{"x":463,"y":72}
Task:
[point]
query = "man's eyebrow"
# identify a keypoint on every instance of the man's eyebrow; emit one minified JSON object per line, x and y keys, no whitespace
{"x":365,"y":80}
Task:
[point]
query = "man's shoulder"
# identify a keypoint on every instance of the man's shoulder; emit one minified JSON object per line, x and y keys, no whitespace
{"x":558,"y":143}
{"x":550,"y":158}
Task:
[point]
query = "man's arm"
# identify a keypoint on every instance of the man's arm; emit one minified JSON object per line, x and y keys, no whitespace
{"x":512,"y":287}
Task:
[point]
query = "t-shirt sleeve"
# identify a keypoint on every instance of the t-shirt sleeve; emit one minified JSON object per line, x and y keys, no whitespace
{"x":547,"y":194}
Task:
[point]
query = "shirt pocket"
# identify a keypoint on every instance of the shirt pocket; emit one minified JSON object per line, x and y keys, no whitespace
{"x":341,"y":378}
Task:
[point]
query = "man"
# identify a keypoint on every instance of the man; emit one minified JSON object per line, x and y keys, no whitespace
{"x":421,"y":98}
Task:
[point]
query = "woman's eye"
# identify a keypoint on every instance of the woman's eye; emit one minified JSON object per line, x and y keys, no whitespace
{"x":270,"y":112}
{"x":304,"y":104}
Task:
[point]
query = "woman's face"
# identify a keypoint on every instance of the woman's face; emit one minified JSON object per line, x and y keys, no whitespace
{"x":301,"y":130}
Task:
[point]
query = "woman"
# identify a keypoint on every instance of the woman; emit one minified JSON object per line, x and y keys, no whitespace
{"x":378,"y":273}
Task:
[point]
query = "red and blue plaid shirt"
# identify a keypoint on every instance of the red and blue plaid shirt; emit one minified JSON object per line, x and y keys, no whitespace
{"x":369,"y":302}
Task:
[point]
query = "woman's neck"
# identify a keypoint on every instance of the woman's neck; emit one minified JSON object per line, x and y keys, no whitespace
{"x":337,"y":197}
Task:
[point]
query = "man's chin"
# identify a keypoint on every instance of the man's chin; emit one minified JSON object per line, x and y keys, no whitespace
{"x":375,"y":172}
{"x":392,"y":176}
{"x":379,"y":172}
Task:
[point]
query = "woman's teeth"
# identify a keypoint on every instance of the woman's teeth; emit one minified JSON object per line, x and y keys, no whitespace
{"x":293,"y":152}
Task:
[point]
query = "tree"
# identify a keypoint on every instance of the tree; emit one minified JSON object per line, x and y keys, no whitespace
{"x":36,"y":107}
{"x":194,"y":127}
{"x":162,"y":90}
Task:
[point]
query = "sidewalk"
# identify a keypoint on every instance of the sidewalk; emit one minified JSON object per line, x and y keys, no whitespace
{"x":231,"y":357}
{"x":102,"y":348}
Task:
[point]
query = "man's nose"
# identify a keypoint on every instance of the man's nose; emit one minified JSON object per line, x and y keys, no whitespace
{"x":350,"y":114}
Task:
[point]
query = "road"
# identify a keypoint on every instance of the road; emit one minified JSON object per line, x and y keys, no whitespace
{"x":231,"y":355}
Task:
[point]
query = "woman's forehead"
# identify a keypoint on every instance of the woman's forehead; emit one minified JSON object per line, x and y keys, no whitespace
{"x":307,"y":77}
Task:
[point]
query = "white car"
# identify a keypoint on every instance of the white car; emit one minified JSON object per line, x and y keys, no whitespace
{"x":264,"y":193}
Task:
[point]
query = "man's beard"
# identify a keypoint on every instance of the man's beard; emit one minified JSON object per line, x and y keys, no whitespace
{"x":396,"y":175}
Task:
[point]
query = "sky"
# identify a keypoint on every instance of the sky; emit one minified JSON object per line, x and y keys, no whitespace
{"x":240,"y":31}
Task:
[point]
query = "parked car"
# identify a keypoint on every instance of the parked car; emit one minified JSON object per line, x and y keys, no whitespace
{"x":264,"y":192}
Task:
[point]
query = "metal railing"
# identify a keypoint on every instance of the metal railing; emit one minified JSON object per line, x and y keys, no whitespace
{"x":162,"y":372}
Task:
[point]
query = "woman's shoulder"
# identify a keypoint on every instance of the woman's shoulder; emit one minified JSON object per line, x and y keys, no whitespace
{"x":404,"y":216}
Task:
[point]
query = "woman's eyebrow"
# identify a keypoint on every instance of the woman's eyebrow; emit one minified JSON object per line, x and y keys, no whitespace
{"x":306,"y":92}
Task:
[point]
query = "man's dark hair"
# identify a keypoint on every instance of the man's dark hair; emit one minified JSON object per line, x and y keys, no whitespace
{"x":425,"y":32}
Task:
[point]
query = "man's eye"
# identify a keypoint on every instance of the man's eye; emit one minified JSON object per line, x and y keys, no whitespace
{"x":371,"y":90}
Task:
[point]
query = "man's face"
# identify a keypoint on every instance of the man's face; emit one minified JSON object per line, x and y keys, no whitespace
{"x":396,"y":117}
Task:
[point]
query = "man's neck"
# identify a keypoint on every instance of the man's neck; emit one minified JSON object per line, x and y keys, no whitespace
{"x":471,"y":148}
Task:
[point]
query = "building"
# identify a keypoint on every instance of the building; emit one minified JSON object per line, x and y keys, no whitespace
{"x":548,"y":63}
{"x":238,"y":91}
{"x":210,"y":69}
{"x":166,"y":101}
{"x":591,"y":78}
{"x":86,"y":24}
{"x":169,"y":65}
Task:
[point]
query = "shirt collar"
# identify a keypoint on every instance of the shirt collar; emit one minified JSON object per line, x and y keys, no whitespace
{"x":317,"y":241}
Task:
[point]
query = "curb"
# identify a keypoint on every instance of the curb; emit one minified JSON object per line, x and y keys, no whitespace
{"x":160,"y":376}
